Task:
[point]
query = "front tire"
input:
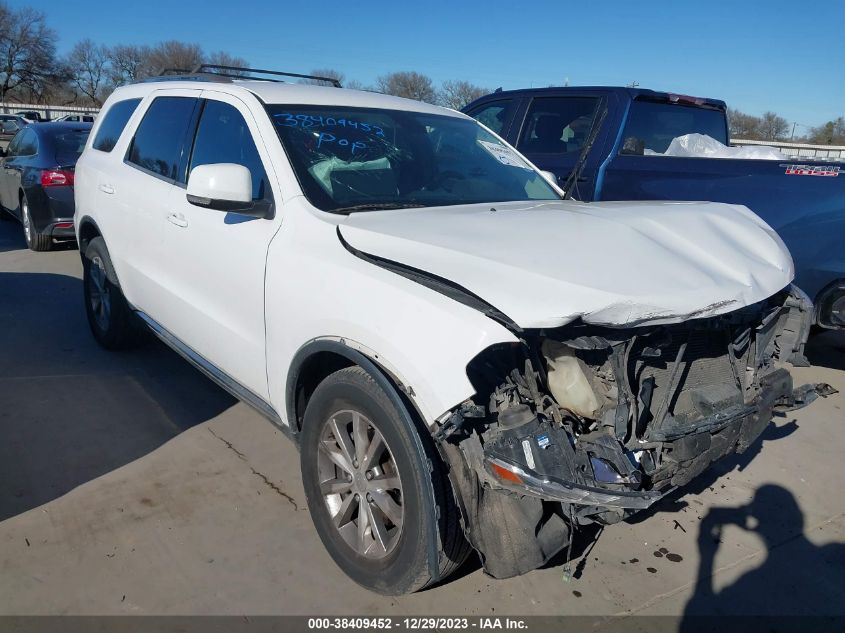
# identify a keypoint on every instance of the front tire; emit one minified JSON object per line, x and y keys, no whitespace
{"x":377,"y":494}
{"x":34,"y":240}
{"x":111,"y":320}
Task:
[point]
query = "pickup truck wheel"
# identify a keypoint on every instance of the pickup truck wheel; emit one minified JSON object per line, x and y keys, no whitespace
{"x":109,"y":316}
{"x":378,"y":498}
{"x":34,"y":240}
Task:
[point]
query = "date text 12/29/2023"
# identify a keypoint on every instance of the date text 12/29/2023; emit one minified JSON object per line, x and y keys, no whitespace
{"x":419,"y":623}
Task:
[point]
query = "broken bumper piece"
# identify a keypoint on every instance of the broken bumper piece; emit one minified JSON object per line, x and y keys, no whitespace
{"x":690,"y":453}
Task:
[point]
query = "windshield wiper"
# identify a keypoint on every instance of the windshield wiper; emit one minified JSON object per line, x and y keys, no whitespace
{"x":571,"y":183}
{"x":378,"y":206}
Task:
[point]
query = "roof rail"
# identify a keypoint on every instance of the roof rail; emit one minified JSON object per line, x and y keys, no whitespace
{"x":221,"y":73}
{"x":240,"y":72}
{"x":181,"y":74}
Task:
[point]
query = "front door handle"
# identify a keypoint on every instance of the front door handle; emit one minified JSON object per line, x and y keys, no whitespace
{"x":177,"y":219}
{"x":107,"y":189}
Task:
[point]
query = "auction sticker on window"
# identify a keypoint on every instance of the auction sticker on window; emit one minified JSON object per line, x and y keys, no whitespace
{"x":504,"y":155}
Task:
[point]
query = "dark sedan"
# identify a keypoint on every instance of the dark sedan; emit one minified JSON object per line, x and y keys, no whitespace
{"x":36,"y":180}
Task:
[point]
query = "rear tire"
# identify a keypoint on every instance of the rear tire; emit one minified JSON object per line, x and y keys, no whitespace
{"x":411,"y":536}
{"x":111,"y":320}
{"x":34,"y":240}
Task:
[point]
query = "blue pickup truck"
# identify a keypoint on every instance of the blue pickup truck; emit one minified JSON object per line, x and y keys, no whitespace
{"x":607,"y":143}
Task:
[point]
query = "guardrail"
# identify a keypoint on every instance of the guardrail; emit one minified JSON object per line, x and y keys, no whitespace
{"x":46,"y":111}
{"x":801,"y":150}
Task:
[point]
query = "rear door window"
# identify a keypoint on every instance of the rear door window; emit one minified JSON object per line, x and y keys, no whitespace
{"x":159,"y":143}
{"x":224,"y":137}
{"x":112,"y":126}
{"x":496,"y":115}
{"x":557,"y":125}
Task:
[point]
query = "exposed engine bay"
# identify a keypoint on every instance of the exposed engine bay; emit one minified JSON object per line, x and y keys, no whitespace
{"x":586,"y":424}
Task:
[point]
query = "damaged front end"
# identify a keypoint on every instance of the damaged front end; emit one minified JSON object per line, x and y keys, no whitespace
{"x":586,"y":424}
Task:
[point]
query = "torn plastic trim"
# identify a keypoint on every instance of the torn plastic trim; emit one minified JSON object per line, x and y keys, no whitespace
{"x":438,"y":284}
{"x":556,"y":490}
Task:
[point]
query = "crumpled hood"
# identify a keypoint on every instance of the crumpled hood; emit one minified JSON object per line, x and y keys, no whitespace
{"x":611,"y":263}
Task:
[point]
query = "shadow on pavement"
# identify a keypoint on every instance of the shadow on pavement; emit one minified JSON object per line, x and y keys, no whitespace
{"x":70,"y":411}
{"x":796,"y":577}
{"x":11,"y":234}
{"x":674,"y":502}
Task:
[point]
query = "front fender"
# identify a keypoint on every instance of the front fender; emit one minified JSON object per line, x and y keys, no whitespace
{"x":316,"y":290}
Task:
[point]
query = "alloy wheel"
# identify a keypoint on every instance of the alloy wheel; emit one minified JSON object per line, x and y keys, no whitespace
{"x":98,"y":293}
{"x":27,"y":223}
{"x":360,"y":484}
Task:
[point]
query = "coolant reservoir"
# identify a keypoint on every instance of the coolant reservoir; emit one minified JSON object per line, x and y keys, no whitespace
{"x":567,"y":381}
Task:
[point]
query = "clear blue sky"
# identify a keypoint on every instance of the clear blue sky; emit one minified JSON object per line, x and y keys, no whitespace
{"x":765,"y":55}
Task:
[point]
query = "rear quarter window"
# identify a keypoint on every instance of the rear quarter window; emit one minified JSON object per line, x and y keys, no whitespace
{"x":113,"y":123}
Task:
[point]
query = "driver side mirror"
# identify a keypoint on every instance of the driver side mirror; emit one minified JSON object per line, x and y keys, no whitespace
{"x":225,"y":187}
{"x":2,"y":152}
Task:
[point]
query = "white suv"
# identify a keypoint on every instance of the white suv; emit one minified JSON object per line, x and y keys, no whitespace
{"x":464,"y":358}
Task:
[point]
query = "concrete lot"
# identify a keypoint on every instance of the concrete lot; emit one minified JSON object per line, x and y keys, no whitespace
{"x":131,"y":484}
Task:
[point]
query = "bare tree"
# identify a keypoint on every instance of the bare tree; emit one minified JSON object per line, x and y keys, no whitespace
{"x":743,"y":126}
{"x":329,"y":73}
{"x":354,"y":84}
{"x":457,"y":94}
{"x":173,"y":54}
{"x":831,"y":133}
{"x":128,"y":63}
{"x":223,"y":58}
{"x":27,"y":52}
{"x":408,"y":84}
{"x":773,"y":127}
{"x":88,"y":64}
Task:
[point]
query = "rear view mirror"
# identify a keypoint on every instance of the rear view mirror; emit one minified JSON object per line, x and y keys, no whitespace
{"x":224,"y":187}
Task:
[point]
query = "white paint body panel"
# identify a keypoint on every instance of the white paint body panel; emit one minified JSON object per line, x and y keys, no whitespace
{"x":249,"y":295}
{"x":610,"y":263}
{"x":316,"y":289}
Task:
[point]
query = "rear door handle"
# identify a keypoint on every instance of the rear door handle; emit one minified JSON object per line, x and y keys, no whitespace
{"x":107,"y":189}
{"x":177,"y":219}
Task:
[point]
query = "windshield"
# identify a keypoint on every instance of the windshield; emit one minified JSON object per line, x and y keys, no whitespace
{"x":360,"y":159}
